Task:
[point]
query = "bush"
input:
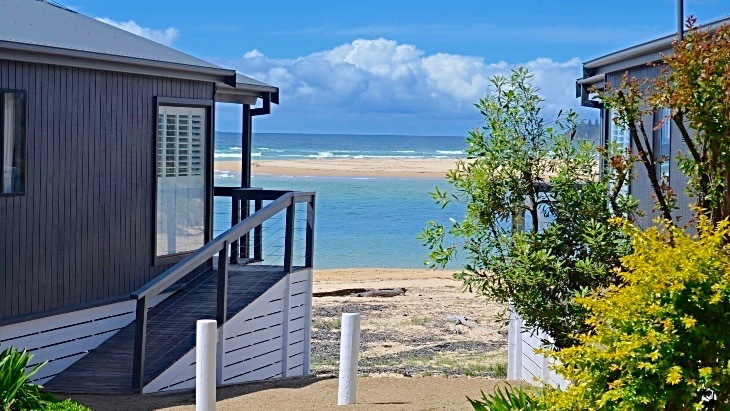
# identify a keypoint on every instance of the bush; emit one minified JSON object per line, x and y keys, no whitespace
{"x":504,"y":399}
{"x":521,"y":168}
{"x":662,"y":340}
{"x":66,"y":405}
{"x":16,"y":392}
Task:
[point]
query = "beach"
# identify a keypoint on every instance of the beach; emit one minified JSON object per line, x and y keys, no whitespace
{"x":429,"y":168}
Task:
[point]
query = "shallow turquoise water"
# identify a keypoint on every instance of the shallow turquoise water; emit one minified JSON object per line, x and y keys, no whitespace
{"x":361,"y":222}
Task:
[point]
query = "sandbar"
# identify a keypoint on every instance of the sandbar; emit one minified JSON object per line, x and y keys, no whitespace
{"x":431,"y":168}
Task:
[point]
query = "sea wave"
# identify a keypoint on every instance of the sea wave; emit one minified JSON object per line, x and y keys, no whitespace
{"x":457,"y":152}
{"x":218,"y":154}
{"x":223,"y":174}
{"x":227,"y":155}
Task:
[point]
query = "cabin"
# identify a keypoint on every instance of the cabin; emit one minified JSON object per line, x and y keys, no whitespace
{"x":107,"y":197}
{"x":641,"y":61}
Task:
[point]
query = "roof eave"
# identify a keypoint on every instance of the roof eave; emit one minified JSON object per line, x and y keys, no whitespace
{"x":245,"y":93}
{"x":33,"y":53}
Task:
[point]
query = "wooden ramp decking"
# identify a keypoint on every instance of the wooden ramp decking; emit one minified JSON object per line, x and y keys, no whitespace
{"x":170,"y":332}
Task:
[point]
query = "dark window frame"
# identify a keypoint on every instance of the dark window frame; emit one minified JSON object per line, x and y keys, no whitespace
{"x":24,"y":171}
{"x":209,"y":106}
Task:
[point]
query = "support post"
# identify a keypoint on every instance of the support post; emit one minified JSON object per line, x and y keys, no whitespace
{"x":289,"y":239}
{"x":349,"y":356}
{"x":235,"y":219}
{"x":246,"y":132}
{"x":258,"y":235}
{"x":140,"y":343}
{"x":222,"y":308}
{"x":512,"y":371}
{"x":306,"y":361}
{"x":205,"y":361}
{"x":286,"y":301}
{"x":246,"y":147}
{"x":246,"y":239}
{"x":309,"y":252}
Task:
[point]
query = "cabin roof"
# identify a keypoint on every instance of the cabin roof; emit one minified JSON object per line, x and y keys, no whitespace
{"x":647,"y":49}
{"x":43,"y":32}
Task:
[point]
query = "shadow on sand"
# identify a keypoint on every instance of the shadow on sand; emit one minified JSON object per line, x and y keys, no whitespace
{"x":137,"y":402}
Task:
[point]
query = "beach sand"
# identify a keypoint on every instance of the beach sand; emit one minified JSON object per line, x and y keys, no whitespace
{"x":349,"y":167}
{"x":411,"y":357}
{"x":313,"y":394}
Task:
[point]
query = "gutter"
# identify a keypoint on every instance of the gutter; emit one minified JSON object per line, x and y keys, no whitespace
{"x":75,"y":58}
{"x":636,"y":51}
{"x":591,"y":80}
{"x":266,"y":108}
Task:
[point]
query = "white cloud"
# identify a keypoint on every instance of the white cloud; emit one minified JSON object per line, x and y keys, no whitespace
{"x":166,"y":36}
{"x":377,"y":80}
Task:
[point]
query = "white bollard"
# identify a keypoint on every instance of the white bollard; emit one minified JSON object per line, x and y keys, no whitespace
{"x":349,"y":356}
{"x":205,"y":361}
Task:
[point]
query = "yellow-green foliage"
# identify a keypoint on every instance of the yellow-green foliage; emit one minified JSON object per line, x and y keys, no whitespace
{"x":661,"y":340}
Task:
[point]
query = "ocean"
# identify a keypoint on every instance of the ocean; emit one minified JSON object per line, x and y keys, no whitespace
{"x":282,"y":146}
{"x":361,"y":222}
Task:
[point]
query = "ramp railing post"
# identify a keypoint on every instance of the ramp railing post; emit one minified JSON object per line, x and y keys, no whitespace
{"x":349,"y":356}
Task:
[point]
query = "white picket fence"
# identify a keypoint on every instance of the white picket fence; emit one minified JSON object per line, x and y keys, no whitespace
{"x":523,"y":363}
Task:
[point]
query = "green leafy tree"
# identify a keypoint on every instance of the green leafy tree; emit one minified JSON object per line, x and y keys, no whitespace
{"x":521,"y":169}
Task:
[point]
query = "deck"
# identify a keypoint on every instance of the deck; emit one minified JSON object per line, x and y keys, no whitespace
{"x":170,"y":332}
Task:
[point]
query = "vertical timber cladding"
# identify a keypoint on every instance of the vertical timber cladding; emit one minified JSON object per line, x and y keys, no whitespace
{"x":641,"y":187}
{"x":82,"y":231}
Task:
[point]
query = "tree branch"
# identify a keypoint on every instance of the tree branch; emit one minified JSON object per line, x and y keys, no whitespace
{"x":651,"y":171}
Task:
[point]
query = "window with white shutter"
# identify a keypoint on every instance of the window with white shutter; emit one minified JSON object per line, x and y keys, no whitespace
{"x":181,"y":135}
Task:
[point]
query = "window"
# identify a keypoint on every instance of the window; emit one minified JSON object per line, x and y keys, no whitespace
{"x":12,"y":142}
{"x":181,"y":171}
{"x":664,"y":143}
{"x":620,"y":136}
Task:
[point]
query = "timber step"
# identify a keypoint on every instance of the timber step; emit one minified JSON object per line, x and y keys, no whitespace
{"x":170,"y":332}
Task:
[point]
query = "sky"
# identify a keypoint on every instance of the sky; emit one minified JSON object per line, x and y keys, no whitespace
{"x":395,"y":67}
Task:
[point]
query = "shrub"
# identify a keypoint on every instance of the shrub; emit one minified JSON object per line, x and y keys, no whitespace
{"x":66,"y":405}
{"x":662,"y":340}
{"x":504,"y":399}
{"x":16,"y":392}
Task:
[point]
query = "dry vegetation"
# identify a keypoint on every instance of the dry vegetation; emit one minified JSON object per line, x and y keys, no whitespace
{"x":409,"y":335}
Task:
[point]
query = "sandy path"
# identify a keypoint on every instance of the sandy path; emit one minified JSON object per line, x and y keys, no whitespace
{"x":350,"y":167}
{"x":315,"y":394}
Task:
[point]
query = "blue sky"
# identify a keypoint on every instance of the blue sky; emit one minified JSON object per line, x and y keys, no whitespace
{"x":390,"y":67}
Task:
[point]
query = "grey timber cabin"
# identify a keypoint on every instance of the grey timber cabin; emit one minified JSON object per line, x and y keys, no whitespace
{"x":641,"y":61}
{"x":107,"y":251}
